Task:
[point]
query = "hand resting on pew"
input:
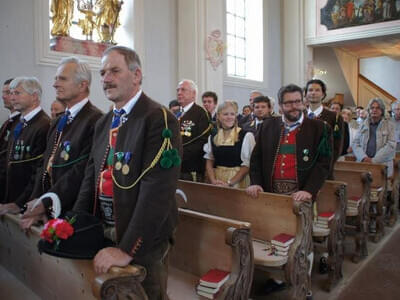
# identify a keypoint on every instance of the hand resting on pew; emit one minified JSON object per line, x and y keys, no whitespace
{"x":33,"y":214}
{"x":9,"y":208}
{"x":254,"y":191}
{"x":110,"y":257}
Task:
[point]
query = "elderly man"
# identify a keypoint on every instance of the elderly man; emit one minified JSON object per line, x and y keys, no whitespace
{"x":27,"y":140}
{"x":396,"y":121}
{"x":68,"y":144}
{"x":195,"y":128}
{"x":5,"y":128}
{"x":126,"y":181}
{"x":375,"y":141}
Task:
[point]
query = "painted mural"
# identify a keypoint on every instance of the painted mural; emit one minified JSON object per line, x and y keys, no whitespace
{"x":345,"y":13}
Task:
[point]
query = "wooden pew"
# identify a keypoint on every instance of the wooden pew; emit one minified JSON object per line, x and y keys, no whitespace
{"x":393,"y":202}
{"x":205,"y":242}
{"x":358,"y":186}
{"x":269,"y":215}
{"x":378,"y":192}
{"x":59,"y":278}
{"x":332,"y":198}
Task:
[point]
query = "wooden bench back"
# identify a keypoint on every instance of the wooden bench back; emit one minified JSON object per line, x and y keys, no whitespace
{"x":378,"y":171}
{"x":357,"y":180}
{"x":201,"y":242}
{"x":269,"y":214}
{"x":331,"y":197}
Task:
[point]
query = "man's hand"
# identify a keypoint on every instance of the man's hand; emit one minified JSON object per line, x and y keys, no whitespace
{"x":302,"y":196}
{"x":219,"y":182}
{"x":11,"y":208}
{"x":254,"y":190}
{"x":367,"y":159}
{"x":34,"y":212}
{"x":108,"y":257}
{"x":27,"y":222}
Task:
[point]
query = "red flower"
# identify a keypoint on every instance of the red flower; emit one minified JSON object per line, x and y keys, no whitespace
{"x":64,"y":230}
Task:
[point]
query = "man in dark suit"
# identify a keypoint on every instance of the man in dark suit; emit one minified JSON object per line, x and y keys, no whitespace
{"x":250,"y":117}
{"x":127,"y":181}
{"x":6,"y":127}
{"x":210,"y":102}
{"x":315,"y":92}
{"x":294,"y":162}
{"x":195,"y":126}
{"x":262,"y":110}
{"x":68,"y":143}
{"x":27,"y":140}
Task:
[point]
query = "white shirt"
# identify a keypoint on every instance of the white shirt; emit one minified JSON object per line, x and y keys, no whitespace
{"x":13,"y":114}
{"x":131,"y":103}
{"x":186,"y":108}
{"x":31,"y":114}
{"x":317,"y":112}
{"x":74,"y":110}
{"x":245,"y":153}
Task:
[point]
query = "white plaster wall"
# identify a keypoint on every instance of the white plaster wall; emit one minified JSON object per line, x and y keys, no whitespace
{"x":325,"y":59}
{"x":272,"y":59}
{"x":384,"y":72}
{"x":17,"y":56}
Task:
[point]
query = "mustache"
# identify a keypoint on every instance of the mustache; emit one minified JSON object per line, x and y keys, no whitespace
{"x":108,"y":86}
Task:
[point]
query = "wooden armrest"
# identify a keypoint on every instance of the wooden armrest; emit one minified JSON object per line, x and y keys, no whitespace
{"x":117,"y":279}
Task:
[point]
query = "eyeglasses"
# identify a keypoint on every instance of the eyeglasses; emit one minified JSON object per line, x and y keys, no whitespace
{"x":291,"y":102}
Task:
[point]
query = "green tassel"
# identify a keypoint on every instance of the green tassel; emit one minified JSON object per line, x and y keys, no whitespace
{"x":166,"y":163}
{"x":324,"y":147}
{"x":167,"y":133}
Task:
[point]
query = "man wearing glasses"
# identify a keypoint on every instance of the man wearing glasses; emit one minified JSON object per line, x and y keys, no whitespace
{"x":294,"y":162}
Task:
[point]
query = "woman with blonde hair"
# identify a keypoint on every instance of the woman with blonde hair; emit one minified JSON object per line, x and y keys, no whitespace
{"x":228,"y":150}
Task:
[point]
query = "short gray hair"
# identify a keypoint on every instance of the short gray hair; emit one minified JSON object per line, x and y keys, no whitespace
{"x":31,"y":85}
{"x":380,"y":103}
{"x":83,"y":72}
{"x":131,"y":57}
{"x":192,"y":85}
{"x":395,"y":103}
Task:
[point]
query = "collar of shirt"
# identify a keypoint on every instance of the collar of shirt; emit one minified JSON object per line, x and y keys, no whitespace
{"x":374,"y":124}
{"x":131,"y":103}
{"x":258,"y":121}
{"x":299,"y":121}
{"x":317,"y":112}
{"x":74,"y":110}
{"x":31,"y":114}
{"x":13,"y":114}
{"x":187,"y":107}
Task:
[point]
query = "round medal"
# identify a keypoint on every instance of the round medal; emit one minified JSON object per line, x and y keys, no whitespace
{"x":305,"y":158}
{"x":118,"y":165}
{"x":125,"y":170}
{"x":66,"y":156}
{"x":62,"y":154}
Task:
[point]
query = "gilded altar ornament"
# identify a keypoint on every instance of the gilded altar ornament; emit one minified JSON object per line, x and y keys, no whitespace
{"x":87,"y":24}
{"x":62,"y":14}
{"x":107,"y":20}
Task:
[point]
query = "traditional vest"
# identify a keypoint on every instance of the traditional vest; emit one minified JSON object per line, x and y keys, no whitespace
{"x":228,"y":156}
{"x":284,"y":180}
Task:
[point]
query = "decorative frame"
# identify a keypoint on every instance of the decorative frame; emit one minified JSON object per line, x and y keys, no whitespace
{"x":215,"y":48}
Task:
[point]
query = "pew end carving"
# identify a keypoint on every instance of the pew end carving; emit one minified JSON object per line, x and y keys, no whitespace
{"x":332,"y":198}
{"x":269,"y":215}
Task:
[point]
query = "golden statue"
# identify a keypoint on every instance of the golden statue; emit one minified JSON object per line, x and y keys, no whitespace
{"x":62,"y":13}
{"x":107,"y":18}
{"x":87,"y":24}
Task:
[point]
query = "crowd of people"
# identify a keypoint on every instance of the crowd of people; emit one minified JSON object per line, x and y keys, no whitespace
{"x":123,"y":166}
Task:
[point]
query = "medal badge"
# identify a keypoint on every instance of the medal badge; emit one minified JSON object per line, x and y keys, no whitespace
{"x":118,"y":164}
{"x":66,"y":149}
{"x":306,"y":157}
{"x":186,"y":128}
{"x":17,"y":150}
{"x":125,"y":167}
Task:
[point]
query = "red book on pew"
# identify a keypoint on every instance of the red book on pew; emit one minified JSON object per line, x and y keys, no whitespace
{"x":282,"y":239}
{"x":326,"y":216}
{"x":214,"y":278}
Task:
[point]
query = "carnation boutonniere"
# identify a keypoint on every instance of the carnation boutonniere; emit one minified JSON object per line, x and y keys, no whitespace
{"x":56,"y":230}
